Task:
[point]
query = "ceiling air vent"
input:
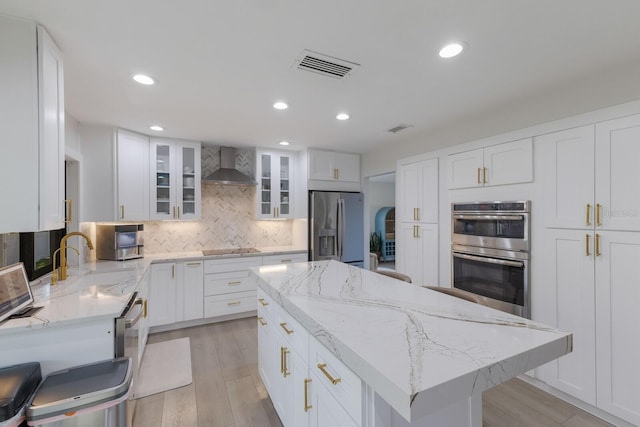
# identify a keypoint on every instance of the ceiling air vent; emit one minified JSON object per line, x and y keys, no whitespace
{"x":399,"y":128}
{"x":325,"y":65}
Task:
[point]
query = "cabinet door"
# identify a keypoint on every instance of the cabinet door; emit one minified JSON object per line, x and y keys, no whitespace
{"x":428,"y":195}
{"x":321,"y":165}
{"x":564,"y":298}
{"x":283,"y":186}
{"x":291,"y":378}
{"x":508,"y":163}
{"x":407,"y":189}
{"x":408,"y":251}
{"x":618,"y":173}
{"x":162,"y":294}
{"x":465,"y":169}
{"x":163,"y":177}
{"x":617,"y":320}
{"x":267,"y":354}
{"x":143,"y":323}
{"x":51,"y":111}
{"x":567,"y":165}
{"x":188,"y":190}
{"x":428,"y":237}
{"x":264,"y":171}
{"x":132,"y":170}
{"x":326,"y":410}
{"x":193,"y":283}
{"x":348,"y":167}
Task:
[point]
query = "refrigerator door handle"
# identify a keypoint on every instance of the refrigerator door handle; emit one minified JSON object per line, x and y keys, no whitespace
{"x":341,"y":228}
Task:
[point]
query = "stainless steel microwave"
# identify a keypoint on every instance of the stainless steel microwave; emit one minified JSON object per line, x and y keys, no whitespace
{"x":118,"y":242}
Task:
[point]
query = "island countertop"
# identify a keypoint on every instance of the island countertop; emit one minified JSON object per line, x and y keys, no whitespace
{"x":420,"y":350}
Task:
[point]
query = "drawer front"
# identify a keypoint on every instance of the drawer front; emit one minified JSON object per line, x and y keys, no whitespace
{"x":219,"y":305}
{"x":266,"y":306}
{"x":348,"y":390}
{"x":292,"y":331}
{"x":231,"y":264}
{"x":284,"y":259}
{"x":225,"y":283}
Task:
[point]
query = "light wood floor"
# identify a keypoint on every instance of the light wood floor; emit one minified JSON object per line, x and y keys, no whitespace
{"x":227,"y":390}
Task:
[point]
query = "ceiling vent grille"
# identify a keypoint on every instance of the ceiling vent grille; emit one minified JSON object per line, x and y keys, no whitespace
{"x":399,"y":128}
{"x":325,"y":65}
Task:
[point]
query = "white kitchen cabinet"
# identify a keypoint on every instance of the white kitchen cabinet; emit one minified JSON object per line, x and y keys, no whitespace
{"x":162,"y":294}
{"x":132,"y":175}
{"x":274,"y":196}
{"x":175,"y":180}
{"x":32,"y":109}
{"x":417,"y":221}
{"x":417,"y":252}
{"x":267,"y":353}
{"x":417,"y":190}
{"x":507,"y":163}
{"x":143,"y":323}
{"x":617,"y":318}
{"x":228,"y":287}
{"x":326,"y":165}
{"x":327,"y":411}
{"x":191,"y":291}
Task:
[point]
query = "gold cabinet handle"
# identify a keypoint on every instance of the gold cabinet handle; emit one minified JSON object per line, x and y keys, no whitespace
{"x":233,"y":303}
{"x":337,"y":173}
{"x":277,"y":212}
{"x":285,"y":370}
{"x":121,"y":211}
{"x":586,"y":244}
{"x":484,"y":175}
{"x":598,"y":209}
{"x":145,"y":307}
{"x":262,"y":321}
{"x":193,"y":264}
{"x":588,"y":222}
{"x":178,"y":209}
{"x":234,"y":283}
{"x":597,"y":245}
{"x":173,"y":271}
{"x":282,"y":360}
{"x":414,"y":214}
{"x":479,"y":182}
{"x":322,"y":367}
{"x":306,"y":395}
{"x":416,"y":231}
{"x":263,"y":302}
{"x":285,"y":261}
{"x":69,"y":206}
{"x":417,"y":214}
{"x":283,"y":325}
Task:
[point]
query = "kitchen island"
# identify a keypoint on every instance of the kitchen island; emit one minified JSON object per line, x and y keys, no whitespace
{"x":420,"y":357}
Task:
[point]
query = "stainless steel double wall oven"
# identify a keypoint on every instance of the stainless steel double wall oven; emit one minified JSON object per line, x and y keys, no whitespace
{"x":490,"y":246}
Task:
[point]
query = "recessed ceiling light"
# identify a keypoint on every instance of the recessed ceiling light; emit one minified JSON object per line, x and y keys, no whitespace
{"x":156,"y":128}
{"x":143,"y":79}
{"x":342,"y":116}
{"x":284,"y":143}
{"x":451,"y":50}
{"x":280,"y":105}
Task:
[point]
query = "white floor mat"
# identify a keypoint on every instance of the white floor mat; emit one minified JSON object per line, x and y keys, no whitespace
{"x":165,"y":365}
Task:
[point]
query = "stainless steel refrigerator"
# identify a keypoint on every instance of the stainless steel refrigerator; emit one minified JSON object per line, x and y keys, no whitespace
{"x":336,"y":227}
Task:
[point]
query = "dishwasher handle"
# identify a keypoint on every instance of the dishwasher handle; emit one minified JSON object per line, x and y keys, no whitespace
{"x":130,"y":323}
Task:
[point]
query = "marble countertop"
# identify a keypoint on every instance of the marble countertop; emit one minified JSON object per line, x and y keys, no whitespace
{"x":418,"y":349}
{"x":101,"y":289}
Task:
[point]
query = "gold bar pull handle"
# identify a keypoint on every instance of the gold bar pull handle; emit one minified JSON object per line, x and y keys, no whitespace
{"x":69,"y":207}
{"x":173,"y":271}
{"x":306,"y":395}
{"x":479,"y":182}
{"x":417,"y":231}
{"x":263,"y":302}
{"x":146,"y":308}
{"x":285,"y":370}
{"x":178,"y":209}
{"x":597,"y":245}
{"x":588,"y":215}
{"x":598,"y":209}
{"x":121,"y":211}
{"x":414,"y":214}
{"x":232,"y":303}
{"x":586,"y":244}
{"x":417,"y":214}
{"x":234,"y":283}
{"x":484,"y":175}
{"x":283,"y":325}
{"x":323,"y":368}
{"x":282,"y":360}
{"x":262,"y":321}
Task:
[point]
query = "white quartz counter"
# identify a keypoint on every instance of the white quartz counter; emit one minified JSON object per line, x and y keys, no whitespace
{"x":102,"y":288}
{"x":419,"y":350}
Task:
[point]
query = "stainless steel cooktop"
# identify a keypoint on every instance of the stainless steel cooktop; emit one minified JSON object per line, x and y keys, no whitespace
{"x":229,"y":251}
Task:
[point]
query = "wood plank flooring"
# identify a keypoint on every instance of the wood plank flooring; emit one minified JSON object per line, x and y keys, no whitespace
{"x":227,"y":390}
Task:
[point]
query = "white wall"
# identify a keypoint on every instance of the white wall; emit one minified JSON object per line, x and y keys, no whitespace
{"x":381,"y":194}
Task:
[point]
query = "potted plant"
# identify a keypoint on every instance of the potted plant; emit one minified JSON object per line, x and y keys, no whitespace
{"x":375,"y":244}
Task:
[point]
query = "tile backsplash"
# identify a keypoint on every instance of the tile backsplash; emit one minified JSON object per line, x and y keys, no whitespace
{"x":228,"y":220}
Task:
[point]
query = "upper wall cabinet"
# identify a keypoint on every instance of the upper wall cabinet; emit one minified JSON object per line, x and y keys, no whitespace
{"x":274,"y":196}
{"x":132,"y":175}
{"x":508,"y":163}
{"x":331,"y":170}
{"x":175,"y":180}
{"x":32,"y":111}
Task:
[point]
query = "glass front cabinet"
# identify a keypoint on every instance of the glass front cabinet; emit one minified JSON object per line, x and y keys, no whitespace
{"x":175,"y":180}
{"x":274,"y":192}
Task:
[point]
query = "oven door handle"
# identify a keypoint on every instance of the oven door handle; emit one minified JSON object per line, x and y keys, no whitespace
{"x":490,"y":217}
{"x":489,"y":260}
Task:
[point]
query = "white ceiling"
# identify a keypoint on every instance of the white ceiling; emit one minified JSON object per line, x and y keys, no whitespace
{"x":222,"y":64}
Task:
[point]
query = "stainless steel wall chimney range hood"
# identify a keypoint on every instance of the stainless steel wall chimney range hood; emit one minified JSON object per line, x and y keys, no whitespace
{"x":228,"y":174}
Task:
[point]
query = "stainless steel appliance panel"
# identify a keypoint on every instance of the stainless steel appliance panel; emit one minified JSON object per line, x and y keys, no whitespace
{"x":336,"y":227}
{"x":119,"y":242}
{"x":127,"y":333}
